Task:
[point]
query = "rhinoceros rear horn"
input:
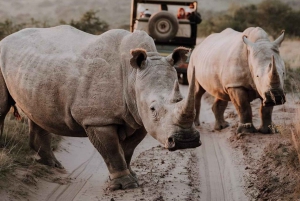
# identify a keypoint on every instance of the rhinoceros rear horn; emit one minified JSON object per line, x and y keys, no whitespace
{"x":175,"y":95}
{"x":139,"y":55}
{"x":179,"y":55}
{"x":279,"y":40}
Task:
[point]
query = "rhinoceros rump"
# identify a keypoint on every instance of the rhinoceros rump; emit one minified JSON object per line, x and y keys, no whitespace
{"x":112,"y":88}
{"x":239,"y":67}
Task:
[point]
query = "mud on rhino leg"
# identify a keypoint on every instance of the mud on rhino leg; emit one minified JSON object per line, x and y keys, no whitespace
{"x":218,"y":109}
{"x":240,"y":100}
{"x":40,"y":141}
{"x":106,"y":141}
{"x":129,"y":145}
{"x":198,"y":95}
{"x":266,"y":120}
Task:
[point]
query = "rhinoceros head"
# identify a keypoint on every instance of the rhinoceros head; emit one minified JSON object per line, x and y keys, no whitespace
{"x":267,"y":68}
{"x":166,"y":115}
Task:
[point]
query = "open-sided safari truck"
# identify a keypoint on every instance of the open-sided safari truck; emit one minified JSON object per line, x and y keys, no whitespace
{"x":171,"y":23}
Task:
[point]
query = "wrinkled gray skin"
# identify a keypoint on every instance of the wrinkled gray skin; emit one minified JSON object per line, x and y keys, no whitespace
{"x":239,"y":67}
{"x":112,"y":88}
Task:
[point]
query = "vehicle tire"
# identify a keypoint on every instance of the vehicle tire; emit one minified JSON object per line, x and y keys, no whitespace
{"x":163,"y":26}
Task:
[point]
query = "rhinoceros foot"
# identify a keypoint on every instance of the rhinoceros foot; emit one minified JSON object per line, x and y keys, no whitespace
{"x":268,"y":129}
{"x":133,"y":174}
{"x":221,"y":125}
{"x":197,"y":122}
{"x":125,"y":182}
{"x":246,"y":128}
{"x":51,"y":162}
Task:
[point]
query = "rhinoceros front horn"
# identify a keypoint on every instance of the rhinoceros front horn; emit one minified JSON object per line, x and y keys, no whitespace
{"x":186,"y":107}
{"x":273,"y":74}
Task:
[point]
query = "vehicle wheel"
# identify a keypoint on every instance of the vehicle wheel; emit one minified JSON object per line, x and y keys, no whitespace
{"x":182,"y":79}
{"x":163,"y":26}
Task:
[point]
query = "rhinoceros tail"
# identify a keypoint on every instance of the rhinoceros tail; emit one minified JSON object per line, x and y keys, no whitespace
{"x":16,"y":113}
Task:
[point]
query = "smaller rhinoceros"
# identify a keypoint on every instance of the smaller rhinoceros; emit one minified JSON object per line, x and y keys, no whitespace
{"x":113,"y":88}
{"x":239,"y":67}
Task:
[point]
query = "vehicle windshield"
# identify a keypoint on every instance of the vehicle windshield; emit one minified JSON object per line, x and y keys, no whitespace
{"x":146,"y":10}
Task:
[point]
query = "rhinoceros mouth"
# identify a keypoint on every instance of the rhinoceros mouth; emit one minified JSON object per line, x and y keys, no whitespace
{"x":176,"y":143}
{"x":274,"y":97}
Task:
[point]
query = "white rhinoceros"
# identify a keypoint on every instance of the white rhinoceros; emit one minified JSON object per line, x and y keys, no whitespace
{"x":239,"y":67}
{"x":112,"y":88}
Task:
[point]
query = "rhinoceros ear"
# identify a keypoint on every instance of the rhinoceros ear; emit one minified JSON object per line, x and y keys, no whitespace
{"x":138,"y":57}
{"x":179,"y":55}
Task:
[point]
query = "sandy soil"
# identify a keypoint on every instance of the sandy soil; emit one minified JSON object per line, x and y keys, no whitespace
{"x":213,"y":171}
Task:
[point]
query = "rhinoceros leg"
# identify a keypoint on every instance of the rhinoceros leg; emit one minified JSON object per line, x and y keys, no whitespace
{"x":240,"y":100}
{"x":198,"y":95}
{"x":3,"y":111}
{"x":5,"y":103}
{"x":218,"y":109}
{"x":106,"y":141}
{"x":266,"y":120}
{"x":40,"y":141}
{"x":129,"y":145}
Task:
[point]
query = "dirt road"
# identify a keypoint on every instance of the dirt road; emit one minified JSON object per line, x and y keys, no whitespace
{"x":206,"y":173}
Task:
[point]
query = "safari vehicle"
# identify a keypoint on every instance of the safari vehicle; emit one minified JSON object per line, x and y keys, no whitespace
{"x":161,"y":20}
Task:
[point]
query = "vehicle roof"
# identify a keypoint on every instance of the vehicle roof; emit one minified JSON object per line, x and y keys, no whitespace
{"x":178,"y":2}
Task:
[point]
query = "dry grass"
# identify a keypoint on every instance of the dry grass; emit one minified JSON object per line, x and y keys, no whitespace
{"x":17,"y":160}
{"x":5,"y":161}
{"x":296,"y":133}
{"x":289,"y":51}
{"x":14,"y":145}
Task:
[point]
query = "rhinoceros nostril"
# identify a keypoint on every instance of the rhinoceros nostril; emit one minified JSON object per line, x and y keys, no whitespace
{"x":170,"y":139}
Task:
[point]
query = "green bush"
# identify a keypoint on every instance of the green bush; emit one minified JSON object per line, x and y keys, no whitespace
{"x":271,"y":15}
{"x":89,"y":23}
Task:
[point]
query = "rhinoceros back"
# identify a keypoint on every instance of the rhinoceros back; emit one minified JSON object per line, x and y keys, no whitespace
{"x":62,"y":78}
{"x":221,"y":63}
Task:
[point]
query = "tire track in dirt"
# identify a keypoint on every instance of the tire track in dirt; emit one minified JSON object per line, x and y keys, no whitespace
{"x":220,"y":175}
{"x":81,"y":174}
{"x":214,"y":172}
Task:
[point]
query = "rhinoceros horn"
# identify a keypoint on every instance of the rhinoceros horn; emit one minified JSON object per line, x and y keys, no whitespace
{"x":273,"y":74}
{"x":175,"y":95}
{"x":186,"y":107}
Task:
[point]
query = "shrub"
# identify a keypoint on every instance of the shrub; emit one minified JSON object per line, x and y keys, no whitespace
{"x":90,"y":23}
{"x":271,"y":15}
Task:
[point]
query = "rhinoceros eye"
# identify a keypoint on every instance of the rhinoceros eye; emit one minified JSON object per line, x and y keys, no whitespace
{"x":154,"y":112}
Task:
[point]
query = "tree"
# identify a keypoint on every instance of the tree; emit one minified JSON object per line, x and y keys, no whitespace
{"x":90,"y":23}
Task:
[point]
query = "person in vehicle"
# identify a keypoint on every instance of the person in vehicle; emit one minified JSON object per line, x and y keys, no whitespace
{"x":164,"y":7}
{"x":145,"y":13}
{"x":194,"y":17}
{"x":181,"y":14}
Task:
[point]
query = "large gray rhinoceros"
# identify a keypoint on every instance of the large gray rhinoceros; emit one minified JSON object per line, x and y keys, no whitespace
{"x":239,"y":67}
{"x":112,"y":88}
